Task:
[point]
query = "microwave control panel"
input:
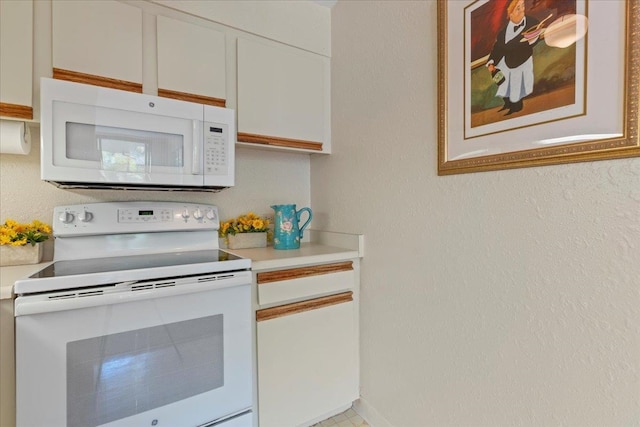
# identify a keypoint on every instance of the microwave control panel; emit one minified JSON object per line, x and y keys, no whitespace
{"x":216,"y":148}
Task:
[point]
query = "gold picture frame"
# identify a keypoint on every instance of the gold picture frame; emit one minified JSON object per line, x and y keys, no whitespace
{"x":587,"y":136}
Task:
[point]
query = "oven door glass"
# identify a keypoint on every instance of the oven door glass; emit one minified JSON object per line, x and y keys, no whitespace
{"x":171,"y":360}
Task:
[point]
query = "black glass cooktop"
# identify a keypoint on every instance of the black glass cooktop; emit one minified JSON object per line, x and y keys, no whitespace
{"x":137,"y":262}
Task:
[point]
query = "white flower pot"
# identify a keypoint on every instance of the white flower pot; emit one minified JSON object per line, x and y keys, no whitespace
{"x":20,"y":255}
{"x":247,"y":240}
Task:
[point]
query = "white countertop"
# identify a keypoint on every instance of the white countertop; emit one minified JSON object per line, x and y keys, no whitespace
{"x":309,"y":253}
{"x":324,"y":247}
{"x":9,"y":275}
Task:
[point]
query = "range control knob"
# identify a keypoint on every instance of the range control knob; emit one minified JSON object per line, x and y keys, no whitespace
{"x":66,"y":217}
{"x":85,"y":216}
{"x":197,"y":214}
{"x":211,"y":214}
{"x":185,"y":214}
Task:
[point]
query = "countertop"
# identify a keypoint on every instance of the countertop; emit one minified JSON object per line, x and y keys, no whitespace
{"x":9,"y":275}
{"x":309,"y":253}
{"x":323,"y":247}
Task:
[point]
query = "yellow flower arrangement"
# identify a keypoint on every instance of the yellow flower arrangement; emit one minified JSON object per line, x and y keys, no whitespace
{"x":248,"y":223}
{"x":13,"y":233}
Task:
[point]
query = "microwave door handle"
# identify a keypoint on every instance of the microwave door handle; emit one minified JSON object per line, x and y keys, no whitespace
{"x":196,"y":147}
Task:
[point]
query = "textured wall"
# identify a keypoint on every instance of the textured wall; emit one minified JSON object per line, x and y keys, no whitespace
{"x":508,"y":298}
{"x":262,"y":179}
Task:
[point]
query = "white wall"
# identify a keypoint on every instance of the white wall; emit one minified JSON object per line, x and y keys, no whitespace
{"x":506,"y":298}
{"x":263,"y":178}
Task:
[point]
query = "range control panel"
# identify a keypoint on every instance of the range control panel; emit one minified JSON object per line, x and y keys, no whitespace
{"x":133,"y":217}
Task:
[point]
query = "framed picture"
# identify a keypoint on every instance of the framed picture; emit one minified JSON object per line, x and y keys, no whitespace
{"x":536,"y":82}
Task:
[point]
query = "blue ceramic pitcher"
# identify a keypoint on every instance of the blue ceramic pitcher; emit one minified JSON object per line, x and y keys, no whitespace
{"x":286,"y":231}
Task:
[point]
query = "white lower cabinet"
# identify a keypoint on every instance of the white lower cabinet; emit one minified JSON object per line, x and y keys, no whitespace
{"x":307,"y":364}
{"x":307,"y":342}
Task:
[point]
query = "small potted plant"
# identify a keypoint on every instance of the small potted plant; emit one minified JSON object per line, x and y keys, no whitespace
{"x":21,"y":243}
{"x":245,"y":231}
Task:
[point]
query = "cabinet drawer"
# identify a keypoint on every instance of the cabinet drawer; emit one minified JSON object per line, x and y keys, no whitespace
{"x":304,"y":282}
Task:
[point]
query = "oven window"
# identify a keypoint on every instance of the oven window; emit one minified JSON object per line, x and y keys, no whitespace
{"x":123,"y":150}
{"x":119,"y":375}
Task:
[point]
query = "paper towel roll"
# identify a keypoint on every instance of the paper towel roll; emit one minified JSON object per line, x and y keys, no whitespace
{"x":15,"y":137}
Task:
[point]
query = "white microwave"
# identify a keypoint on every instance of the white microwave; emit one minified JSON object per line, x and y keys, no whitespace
{"x":95,"y":137}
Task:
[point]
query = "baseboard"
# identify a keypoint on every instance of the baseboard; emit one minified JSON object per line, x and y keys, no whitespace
{"x":326,"y":415}
{"x":370,"y":414}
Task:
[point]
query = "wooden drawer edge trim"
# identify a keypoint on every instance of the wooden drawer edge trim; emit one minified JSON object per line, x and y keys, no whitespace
{"x":296,"y":273}
{"x":74,"y":76}
{"x":299,"y":307}
{"x":16,"y":110}
{"x":279,"y":142}
{"x":200,"y":99}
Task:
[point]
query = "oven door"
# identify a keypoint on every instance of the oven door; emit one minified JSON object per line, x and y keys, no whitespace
{"x":169,"y":356}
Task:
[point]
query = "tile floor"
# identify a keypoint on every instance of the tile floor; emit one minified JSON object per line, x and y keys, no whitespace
{"x":348,"y":418}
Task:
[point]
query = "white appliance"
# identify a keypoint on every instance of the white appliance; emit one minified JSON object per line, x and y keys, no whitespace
{"x":95,"y":137}
{"x":140,"y":320}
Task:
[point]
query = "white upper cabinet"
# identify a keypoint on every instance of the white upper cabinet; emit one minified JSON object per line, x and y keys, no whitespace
{"x":283,"y":96}
{"x":304,"y":24}
{"x":191,"y":62}
{"x":98,"y":42}
{"x":16,"y":59}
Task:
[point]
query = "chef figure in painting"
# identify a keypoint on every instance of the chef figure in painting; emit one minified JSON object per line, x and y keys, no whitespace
{"x":514,"y":58}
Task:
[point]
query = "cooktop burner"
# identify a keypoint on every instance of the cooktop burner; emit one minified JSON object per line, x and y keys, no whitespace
{"x":105,"y":265}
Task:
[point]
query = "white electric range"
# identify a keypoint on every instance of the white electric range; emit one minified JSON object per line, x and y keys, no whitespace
{"x":140,"y":320}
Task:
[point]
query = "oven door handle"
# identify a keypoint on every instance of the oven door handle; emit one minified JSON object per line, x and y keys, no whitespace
{"x":35,"y":304}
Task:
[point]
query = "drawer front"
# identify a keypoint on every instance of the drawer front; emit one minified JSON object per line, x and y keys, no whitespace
{"x":304,"y":282}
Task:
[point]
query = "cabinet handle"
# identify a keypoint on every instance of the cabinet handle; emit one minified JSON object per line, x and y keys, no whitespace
{"x":91,"y":79}
{"x":299,"y":307}
{"x":198,"y":99}
{"x":16,"y":111}
{"x":296,"y":273}
{"x":279,"y":142}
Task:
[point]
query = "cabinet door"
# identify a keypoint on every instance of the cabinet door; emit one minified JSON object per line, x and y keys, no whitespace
{"x":283,"y":96}
{"x":16,"y":53}
{"x":307,"y":360}
{"x":191,"y":62}
{"x":98,"y":42}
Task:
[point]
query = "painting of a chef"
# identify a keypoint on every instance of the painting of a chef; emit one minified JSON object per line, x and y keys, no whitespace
{"x":514,"y":58}
{"x":519,"y":68}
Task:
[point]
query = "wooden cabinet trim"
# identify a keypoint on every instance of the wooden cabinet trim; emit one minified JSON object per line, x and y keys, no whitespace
{"x":299,"y":307}
{"x":200,"y":99}
{"x":74,"y":76}
{"x":279,"y":142}
{"x":297,"y":273}
{"x":15,"y":110}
